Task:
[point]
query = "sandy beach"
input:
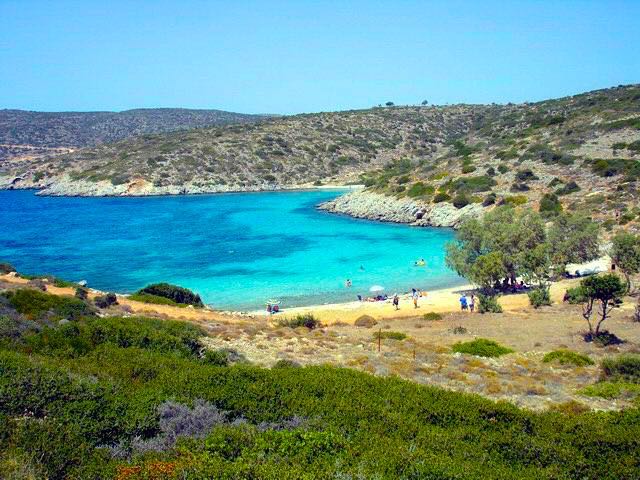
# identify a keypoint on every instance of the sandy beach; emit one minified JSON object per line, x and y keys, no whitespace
{"x":439,"y":301}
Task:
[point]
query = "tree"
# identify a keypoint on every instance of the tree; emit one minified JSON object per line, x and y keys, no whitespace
{"x":425,"y":102}
{"x":625,"y":253}
{"x":573,"y":239}
{"x":488,"y":270}
{"x":389,"y":104}
{"x":602,"y":290}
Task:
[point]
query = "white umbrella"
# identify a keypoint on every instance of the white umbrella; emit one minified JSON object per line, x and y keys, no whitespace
{"x":376,"y":288}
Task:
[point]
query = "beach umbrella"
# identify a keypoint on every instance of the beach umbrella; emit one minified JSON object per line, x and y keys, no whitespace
{"x":376,"y":288}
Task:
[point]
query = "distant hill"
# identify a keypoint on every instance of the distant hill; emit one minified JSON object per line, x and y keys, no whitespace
{"x":83,"y":129}
{"x":583,"y":149}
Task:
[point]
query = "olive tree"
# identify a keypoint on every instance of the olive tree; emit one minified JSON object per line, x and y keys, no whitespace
{"x":573,"y":239}
{"x":625,"y":253}
{"x":601,"y":293}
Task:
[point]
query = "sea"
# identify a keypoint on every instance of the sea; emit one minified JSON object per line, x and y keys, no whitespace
{"x":238,"y":251}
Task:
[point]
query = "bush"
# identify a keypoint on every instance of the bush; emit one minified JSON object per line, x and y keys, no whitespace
{"x":154,"y":299}
{"x":37,"y":305}
{"x":539,"y":297}
{"x":488,"y":304}
{"x":567,"y":357}
{"x":461,"y":200}
{"x":105,"y":301}
{"x":282,"y":363}
{"x":307,"y":320}
{"x":460,"y":330}
{"x":569,"y":188}
{"x":502,"y":168}
{"x":431,"y":316}
{"x":481,"y":347}
{"x":173,"y":292}
{"x":419,"y":189}
{"x":468,"y":168}
{"x":514,"y":200}
{"x":489,"y":200}
{"x":6,"y":268}
{"x":526,"y":175}
{"x":611,"y":390}
{"x":216,"y":357}
{"x":389,"y":335}
{"x":441,"y":197}
{"x":366,"y":321}
{"x":623,"y":368}
{"x":550,"y":205}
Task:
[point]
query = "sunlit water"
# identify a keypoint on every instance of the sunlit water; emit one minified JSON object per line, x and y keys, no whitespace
{"x":236,"y":250}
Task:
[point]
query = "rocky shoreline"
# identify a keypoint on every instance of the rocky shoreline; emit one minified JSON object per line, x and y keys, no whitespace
{"x":376,"y":206}
{"x":358,"y":203}
{"x":65,"y":186}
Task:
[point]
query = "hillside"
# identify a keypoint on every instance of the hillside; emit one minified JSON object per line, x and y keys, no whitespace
{"x":435,"y":162}
{"x":24,"y":132}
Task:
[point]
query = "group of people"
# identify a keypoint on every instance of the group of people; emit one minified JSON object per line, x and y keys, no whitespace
{"x":415,"y":295}
{"x":468,"y":304}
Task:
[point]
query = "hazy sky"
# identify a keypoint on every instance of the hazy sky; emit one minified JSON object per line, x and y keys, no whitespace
{"x":307,"y":56}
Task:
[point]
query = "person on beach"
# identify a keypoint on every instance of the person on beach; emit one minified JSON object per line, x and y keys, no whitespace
{"x":463,"y":302}
{"x":396,"y":301}
{"x":414,"y":295}
{"x":472,"y":303}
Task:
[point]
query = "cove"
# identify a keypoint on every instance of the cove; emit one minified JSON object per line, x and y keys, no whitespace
{"x":236,"y":250}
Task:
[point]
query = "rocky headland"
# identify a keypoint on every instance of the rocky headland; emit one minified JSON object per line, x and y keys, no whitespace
{"x":385,"y":208}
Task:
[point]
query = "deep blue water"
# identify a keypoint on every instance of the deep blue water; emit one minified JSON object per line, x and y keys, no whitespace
{"x":236,"y":250}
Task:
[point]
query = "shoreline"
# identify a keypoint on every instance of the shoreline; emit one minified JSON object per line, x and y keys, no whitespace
{"x":175,"y":191}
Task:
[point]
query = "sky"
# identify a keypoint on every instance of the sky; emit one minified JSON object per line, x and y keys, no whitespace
{"x":286,"y":57}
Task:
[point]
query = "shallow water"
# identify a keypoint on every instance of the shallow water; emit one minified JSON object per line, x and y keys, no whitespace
{"x":236,"y":250}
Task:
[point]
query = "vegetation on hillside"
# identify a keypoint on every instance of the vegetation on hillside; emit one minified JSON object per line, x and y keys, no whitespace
{"x":558,"y":155}
{"x":135,"y":398}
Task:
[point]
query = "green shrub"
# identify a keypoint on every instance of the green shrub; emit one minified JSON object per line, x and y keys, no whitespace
{"x":622,"y":368}
{"x":569,"y":188}
{"x":481,"y":347}
{"x":612,"y":390}
{"x":441,"y":197}
{"x":468,"y":168}
{"x":307,"y":320}
{"x":35,"y":304}
{"x":431,"y":316}
{"x":419,"y":189}
{"x":575,"y":295}
{"x":82,"y":293}
{"x":550,"y":205}
{"x":282,"y":363}
{"x":539,"y":297}
{"x":502,"y":168}
{"x":154,"y":299}
{"x":216,"y":357}
{"x":567,"y":357}
{"x":461,"y":200}
{"x":489,"y":200}
{"x":173,"y":292}
{"x":473,"y":184}
{"x":389,"y":335}
{"x":488,"y":304}
{"x":460,"y":330}
{"x":514,"y":200}
{"x":525,"y":175}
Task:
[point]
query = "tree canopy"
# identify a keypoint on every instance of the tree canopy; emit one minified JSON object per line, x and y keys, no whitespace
{"x":520,"y":244}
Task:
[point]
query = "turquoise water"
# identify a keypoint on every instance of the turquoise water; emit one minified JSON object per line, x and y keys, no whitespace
{"x":236,"y":250}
